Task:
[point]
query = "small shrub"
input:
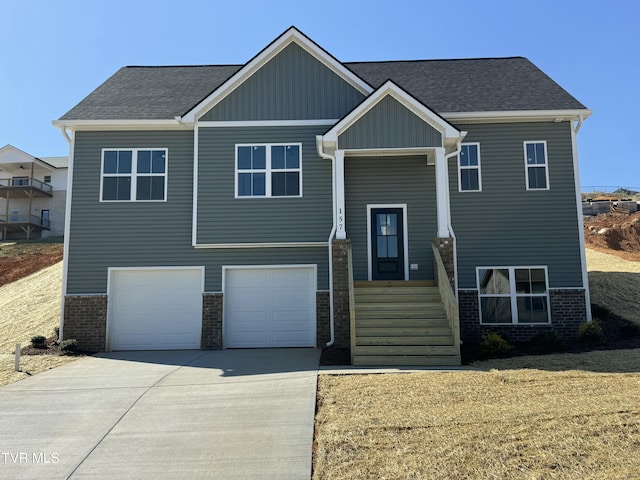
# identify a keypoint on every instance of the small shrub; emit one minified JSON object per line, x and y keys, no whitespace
{"x":39,"y":341}
{"x":70,"y":345}
{"x":493,"y":345}
{"x":590,"y":333}
{"x":547,"y":342}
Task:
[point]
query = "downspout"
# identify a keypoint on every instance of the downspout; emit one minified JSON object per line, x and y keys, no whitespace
{"x":583,"y":254}
{"x":449,"y":223}
{"x":326,"y":156}
{"x":67,"y":226}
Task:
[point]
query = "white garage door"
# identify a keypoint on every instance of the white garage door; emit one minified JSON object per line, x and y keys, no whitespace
{"x":155,"y":309}
{"x":270,"y":307}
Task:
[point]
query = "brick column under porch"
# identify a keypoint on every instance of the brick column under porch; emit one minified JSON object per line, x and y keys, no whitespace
{"x":341,"y":314}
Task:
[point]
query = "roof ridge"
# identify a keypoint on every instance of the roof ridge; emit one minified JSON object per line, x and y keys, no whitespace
{"x":186,"y":66}
{"x":441,"y":60}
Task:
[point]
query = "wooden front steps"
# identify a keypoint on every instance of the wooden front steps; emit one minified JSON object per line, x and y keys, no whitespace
{"x":401,"y":323}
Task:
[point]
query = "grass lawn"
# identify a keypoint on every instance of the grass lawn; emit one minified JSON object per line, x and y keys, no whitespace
{"x":571,"y":416}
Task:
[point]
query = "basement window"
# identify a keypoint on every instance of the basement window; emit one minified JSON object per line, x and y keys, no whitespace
{"x":513,"y":295}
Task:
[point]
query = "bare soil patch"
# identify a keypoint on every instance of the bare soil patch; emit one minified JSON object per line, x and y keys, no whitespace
{"x":614,"y":233}
{"x":19,"y":259}
{"x":499,"y":424}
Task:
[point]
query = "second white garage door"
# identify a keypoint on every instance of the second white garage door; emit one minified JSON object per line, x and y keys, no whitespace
{"x":155,"y":309}
{"x":269,"y":307}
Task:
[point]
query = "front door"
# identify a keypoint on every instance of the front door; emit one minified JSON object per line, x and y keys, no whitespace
{"x":387,"y":244}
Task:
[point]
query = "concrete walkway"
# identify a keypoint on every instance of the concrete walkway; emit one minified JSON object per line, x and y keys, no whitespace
{"x":185,"y":414}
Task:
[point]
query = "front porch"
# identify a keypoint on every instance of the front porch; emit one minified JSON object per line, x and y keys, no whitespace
{"x":403,"y":322}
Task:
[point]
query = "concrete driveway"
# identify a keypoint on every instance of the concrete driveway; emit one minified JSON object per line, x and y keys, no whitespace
{"x":181,"y":414}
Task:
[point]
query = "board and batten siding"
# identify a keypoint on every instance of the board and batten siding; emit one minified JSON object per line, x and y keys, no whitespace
{"x":389,"y":124}
{"x":222,"y":218}
{"x":293,"y":85}
{"x":392,"y":180}
{"x":142,"y":234}
{"x":508,"y":225}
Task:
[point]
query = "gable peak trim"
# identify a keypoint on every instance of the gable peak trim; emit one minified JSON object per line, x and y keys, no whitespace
{"x":391,"y":89}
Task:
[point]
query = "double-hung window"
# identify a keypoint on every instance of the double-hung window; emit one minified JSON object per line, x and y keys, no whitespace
{"x":269,"y":170}
{"x":469,"y":179}
{"x":536,"y":165}
{"x":136,"y":174}
{"x":513,"y":295}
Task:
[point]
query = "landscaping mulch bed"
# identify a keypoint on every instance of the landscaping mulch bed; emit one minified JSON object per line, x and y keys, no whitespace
{"x":51,"y":348}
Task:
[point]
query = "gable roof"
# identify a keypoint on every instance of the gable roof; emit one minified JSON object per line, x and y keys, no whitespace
{"x":389,"y":88}
{"x":511,"y":84}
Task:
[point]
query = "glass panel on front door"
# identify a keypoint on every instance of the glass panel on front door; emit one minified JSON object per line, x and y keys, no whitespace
{"x":387,"y":250}
{"x":387,"y":231}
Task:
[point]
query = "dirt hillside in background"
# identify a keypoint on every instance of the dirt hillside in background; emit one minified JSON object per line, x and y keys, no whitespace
{"x":614,"y":233}
{"x":17,"y":260}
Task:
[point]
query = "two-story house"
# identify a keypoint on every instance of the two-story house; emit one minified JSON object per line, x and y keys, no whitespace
{"x":32,"y":194}
{"x":393,"y":208}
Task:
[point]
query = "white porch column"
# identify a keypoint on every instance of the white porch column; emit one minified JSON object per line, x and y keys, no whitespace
{"x":442,"y":190}
{"x":341,"y":232}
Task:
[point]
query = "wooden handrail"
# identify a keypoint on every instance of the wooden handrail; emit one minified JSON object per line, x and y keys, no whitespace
{"x":449,"y":299}
{"x":352,"y":305}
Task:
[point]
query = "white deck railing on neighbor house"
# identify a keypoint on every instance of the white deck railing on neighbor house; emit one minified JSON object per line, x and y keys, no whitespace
{"x":16,"y":183}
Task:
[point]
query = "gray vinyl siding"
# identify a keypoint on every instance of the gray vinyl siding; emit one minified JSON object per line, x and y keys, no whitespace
{"x":389,"y":124}
{"x":293,"y":85}
{"x":139,"y":234}
{"x":225,"y":219}
{"x":392,"y":180}
{"x":507,"y":225}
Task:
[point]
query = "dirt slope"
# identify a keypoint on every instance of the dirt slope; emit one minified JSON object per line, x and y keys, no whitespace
{"x":18,"y":260}
{"x":615,"y":233}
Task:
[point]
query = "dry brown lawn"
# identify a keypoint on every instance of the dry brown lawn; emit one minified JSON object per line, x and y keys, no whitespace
{"x":493,"y":424}
{"x":615,"y":284}
{"x":28,"y":307}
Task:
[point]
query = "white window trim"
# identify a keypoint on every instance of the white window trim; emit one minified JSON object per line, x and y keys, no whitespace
{"x":267,"y":170}
{"x":478,"y":167}
{"x":405,"y":232}
{"x":513,"y":295}
{"x":527,"y":166}
{"x":134,"y":174}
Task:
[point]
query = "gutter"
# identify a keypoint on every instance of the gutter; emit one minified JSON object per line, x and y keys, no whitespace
{"x":67,"y":225}
{"x":331,"y":234}
{"x":449,"y":223}
{"x":583,"y":254}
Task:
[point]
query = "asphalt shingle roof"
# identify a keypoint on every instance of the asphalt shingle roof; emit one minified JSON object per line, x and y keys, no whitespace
{"x":468,"y":85}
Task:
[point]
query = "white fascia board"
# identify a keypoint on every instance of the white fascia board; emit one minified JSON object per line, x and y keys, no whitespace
{"x":102,"y":125}
{"x":517,"y":115}
{"x":279,"y":44}
{"x":266,"y":123}
{"x":390,"y":88}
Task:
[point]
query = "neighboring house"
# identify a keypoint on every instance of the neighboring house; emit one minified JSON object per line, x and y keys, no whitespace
{"x":33,"y":194}
{"x":392,"y":208}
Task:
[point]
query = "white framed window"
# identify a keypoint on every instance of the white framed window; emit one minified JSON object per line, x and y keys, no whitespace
{"x":469,"y":178}
{"x":268,"y":170}
{"x":47,"y":179}
{"x":134,"y":175}
{"x":513,"y":295}
{"x":536,"y":165}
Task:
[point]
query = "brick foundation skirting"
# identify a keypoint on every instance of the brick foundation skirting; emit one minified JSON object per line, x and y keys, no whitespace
{"x":85,"y":319}
{"x":568,"y":311}
{"x":211,"y":321}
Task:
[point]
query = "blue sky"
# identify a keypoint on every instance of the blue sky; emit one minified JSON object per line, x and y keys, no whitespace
{"x":55,"y":53}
